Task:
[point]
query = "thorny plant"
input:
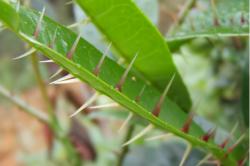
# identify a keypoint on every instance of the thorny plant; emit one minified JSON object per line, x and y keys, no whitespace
{"x":169,"y":111}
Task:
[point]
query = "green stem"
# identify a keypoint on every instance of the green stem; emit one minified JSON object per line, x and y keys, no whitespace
{"x":181,"y":16}
{"x":125,"y":150}
{"x":24,"y":106}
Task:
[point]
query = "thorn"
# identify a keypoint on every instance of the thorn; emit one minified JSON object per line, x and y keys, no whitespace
{"x":204,"y":159}
{"x":51,"y":44}
{"x":143,"y":132}
{"x":123,"y":78}
{"x":47,"y":61}
{"x":86,"y":104}
{"x":69,"y":2}
{"x":69,"y":81}
{"x":216,"y":20}
{"x":242,"y":19}
{"x":39,"y":23}
{"x":188,"y":123}
{"x":82,"y":22}
{"x":242,"y":161}
{"x":56,"y":73}
{"x":226,"y":141}
{"x":157,"y":109}
{"x":138,"y":98}
{"x":29,"y":52}
{"x":162,"y":136}
{"x":98,"y":66}
{"x":209,"y":134}
{"x":124,"y":124}
{"x":231,"y":148}
{"x":69,"y":76}
{"x":186,"y":154}
{"x":73,"y":48}
{"x":110,"y":105}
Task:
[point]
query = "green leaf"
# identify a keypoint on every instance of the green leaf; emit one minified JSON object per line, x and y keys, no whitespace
{"x":86,"y":57}
{"x":130,"y":32}
{"x":226,"y":18}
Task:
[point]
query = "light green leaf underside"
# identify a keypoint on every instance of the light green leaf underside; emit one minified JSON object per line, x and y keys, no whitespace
{"x":84,"y":61}
{"x":130,"y":32}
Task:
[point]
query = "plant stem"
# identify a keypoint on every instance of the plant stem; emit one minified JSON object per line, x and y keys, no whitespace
{"x":125,"y":149}
{"x":24,"y":106}
{"x":43,"y":90}
{"x":181,"y":16}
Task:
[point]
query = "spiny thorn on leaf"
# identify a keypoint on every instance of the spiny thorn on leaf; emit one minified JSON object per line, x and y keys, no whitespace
{"x":109,"y":105}
{"x":157,"y":109}
{"x":143,"y":132}
{"x":39,"y":24}
{"x":138,"y":98}
{"x":231,"y":148}
{"x":56,"y":73}
{"x":242,"y":19}
{"x":124,"y":124}
{"x":210,"y":133}
{"x":69,"y":81}
{"x":226,"y":141}
{"x":29,"y":52}
{"x":86,"y":104}
{"x":77,"y":24}
{"x":124,"y":76}
{"x":188,"y":123}
{"x":73,"y":48}
{"x":98,"y":66}
{"x":186,"y":154}
{"x":162,"y":136}
{"x":242,"y":161}
{"x":47,"y":61}
{"x":67,"y":77}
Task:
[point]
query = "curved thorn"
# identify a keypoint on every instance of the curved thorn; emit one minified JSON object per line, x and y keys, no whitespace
{"x":73,"y":48}
{"x":86,"y":104}
{"x":123,"y":78}
{"x":143,"y":132}
{"x":204,"y":159}
{"x":47,"y":61}
{"x":138,"y":98}
{"x":39,"y":23}
{"x":157,"y":109}
{"x":124,"y":124}
{"x":226,"y":141}
{"x":162,"y":136}
{"x":56,"y":73}
{"x":98,"y":66}
{"x":110,"y":105}
{"x":186,"y":154}
{"x":29,"y":52}
{"x":69,"y":81}
{"x":69,"y":76}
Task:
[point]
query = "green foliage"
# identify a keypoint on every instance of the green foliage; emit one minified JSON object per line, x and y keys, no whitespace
{"x":130,"y":32}
{"x":207,"y":19}
{"x":86,"y":58}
